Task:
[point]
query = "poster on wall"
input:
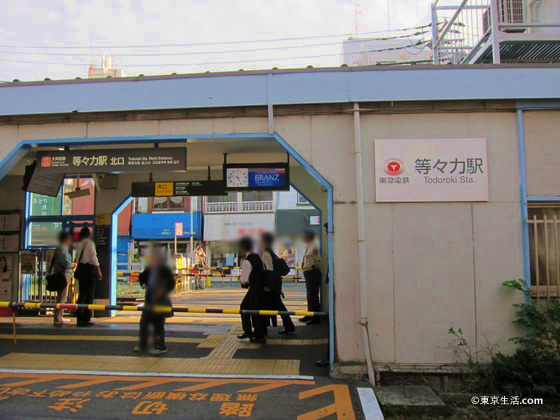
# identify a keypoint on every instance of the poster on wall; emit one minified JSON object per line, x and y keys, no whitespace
{"x":28,"y":262}
{"x":431,"y":170}
{"x":257,"y":176}
{"x":8,"y":274}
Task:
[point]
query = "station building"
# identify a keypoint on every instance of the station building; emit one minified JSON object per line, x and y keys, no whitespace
{"x":437,"y":183}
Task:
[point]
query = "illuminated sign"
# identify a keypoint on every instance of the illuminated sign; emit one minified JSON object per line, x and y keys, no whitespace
{"x":257,"y":176}
{"x":159,"y":159}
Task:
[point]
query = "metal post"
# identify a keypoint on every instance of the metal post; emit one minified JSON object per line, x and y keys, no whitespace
{"x":362,"y":256}
{"x":192,"y":224}
{"x":435,"y":48}
{"x":495,"y":31}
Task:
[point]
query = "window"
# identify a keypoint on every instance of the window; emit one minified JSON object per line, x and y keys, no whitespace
{"x":302,"y":201}
{"x":256,"y":196}
{"x":80,"y":205}
{"x":49,"y":215}
{"x":169,"y":204}
{"x":229,"y":198}
{"x":544,"y":238}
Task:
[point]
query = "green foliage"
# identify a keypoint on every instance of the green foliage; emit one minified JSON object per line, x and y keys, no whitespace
{"x":534,"y":369}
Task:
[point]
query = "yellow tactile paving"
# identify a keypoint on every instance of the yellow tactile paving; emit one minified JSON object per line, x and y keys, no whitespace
{"x":149,"y":364}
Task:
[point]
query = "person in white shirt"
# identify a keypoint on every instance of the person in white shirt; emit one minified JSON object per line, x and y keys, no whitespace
{"x":88,"y":274}
{"x":199,"y":257}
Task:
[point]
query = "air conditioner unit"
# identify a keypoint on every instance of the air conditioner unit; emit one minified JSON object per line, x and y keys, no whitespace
{"x":509,"y":11}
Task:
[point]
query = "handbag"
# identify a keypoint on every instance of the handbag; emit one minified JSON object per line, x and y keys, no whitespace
{"x":83,"y":271}
{"x":56,"y":282}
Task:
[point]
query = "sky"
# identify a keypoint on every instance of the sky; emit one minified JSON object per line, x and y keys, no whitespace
{"x":58,"y":39}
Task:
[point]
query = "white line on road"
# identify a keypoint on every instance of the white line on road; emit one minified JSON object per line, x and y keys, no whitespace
{"x":370,"y":405}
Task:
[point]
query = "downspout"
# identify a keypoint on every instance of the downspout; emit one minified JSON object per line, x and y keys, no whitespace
{"x":362,"y":242}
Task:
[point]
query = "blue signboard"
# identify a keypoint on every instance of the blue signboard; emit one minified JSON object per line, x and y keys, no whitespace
{"x":162,"y":225}
{"x":254,"y":177}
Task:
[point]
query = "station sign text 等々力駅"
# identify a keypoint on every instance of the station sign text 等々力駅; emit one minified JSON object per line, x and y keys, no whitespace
{"x":431,"y":170}
{"x":159,"y":159}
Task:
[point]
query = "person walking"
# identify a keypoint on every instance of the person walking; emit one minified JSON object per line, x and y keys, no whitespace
{"x":199,"y":257}
{"x":311,"y":267}
{"x":252,"y":278}
{"x":88,"y":274}
{"x":275,"y":268}
{"x":158,"y":281}
{"x":62,"y":263}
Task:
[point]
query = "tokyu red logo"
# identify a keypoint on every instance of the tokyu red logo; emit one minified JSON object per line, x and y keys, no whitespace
{"x":393,"y":167}
{"x":46,"y":162}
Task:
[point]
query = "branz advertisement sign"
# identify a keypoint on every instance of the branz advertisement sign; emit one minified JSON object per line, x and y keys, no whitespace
{"x":254,"y":177}
{"x":431,"y":170}
{"x":159,"y":159}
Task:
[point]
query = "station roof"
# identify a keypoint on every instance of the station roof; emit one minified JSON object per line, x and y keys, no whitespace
{"x":283,"y":87}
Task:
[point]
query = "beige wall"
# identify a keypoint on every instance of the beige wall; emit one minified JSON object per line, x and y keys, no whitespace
{"x":429,"y":266}
{"x":542,"y":142}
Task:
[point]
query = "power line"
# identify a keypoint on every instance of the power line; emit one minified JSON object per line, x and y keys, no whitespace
{"x":250,"y":50}
{"x":217,"y":62}
{"x":163,"y":45}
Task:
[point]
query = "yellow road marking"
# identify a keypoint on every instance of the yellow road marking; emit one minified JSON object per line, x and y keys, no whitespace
{"x":342,"y":403}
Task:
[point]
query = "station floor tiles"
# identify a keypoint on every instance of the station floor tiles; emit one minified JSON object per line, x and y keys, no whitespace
{"x":193,"y":348}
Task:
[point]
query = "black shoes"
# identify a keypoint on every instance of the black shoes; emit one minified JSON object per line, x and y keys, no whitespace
{"x":258,"y":340}
{"x":244,"y":336}
{"x":305,"y":319}
{"x":287,"y":332}
{"x":313,"y":321}
{"x":86,"y":324}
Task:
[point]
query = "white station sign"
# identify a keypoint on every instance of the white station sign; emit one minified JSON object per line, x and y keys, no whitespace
{"x":431,"y":170}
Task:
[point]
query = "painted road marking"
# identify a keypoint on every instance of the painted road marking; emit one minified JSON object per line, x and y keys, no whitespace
{"x":370,"y":405}
{"x":65,"y":395}
{"x":342,"y":405}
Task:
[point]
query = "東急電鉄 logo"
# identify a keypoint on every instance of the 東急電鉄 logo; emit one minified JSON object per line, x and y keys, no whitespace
{"x":393,"y":167}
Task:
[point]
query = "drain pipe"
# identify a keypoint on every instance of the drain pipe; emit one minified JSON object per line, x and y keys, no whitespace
{"x":362,"y":242}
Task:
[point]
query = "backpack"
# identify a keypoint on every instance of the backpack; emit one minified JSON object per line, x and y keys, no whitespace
{"x":273,"y":279}
{"x":272,"y":282}
{"x":280,"y":266}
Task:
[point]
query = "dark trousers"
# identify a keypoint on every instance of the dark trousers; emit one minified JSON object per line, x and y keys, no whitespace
{"x":253,"y":324}
{"x":313,"y":287}
{"x":85,"y":296}
{"x":157,"y":322}
{"x":273,"y":302}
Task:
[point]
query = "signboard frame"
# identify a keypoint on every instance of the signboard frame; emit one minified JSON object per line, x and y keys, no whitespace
{"x":253,"y":166}
{"x":45,"y":183}
{"x":90,"y":161}
{"x":178,"y":188}
{"x":431,"y":170}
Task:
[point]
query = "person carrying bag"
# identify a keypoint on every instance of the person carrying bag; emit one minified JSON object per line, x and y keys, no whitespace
{"x":60,"y":274}
{"x":88,"y":274}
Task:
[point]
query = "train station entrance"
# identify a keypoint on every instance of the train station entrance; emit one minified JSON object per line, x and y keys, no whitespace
{"x":192,"y":196}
